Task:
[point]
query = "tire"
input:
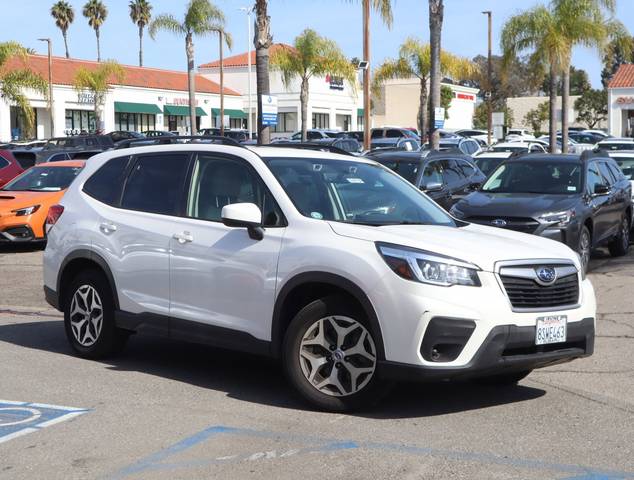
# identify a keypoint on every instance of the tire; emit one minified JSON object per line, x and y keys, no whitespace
{"x":89,"y":294}
{"x":315,"y":345}
{"x":620,"y":244}
{"x":584,"y":247}
{"x":505,"y":379}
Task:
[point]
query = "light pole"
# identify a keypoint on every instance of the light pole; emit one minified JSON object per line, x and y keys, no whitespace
{"x":249,"y":11}
{"x":366,"y":75}
{"x":488,"y":93}
{"x":50,"y":84}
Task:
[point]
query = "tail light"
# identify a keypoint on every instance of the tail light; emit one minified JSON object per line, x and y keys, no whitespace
{"x":54,"y":212}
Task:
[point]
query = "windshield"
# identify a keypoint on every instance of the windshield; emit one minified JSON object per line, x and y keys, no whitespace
{"x":616,"y":146}
{"x":626,"y":164}
{"x":519,"y":148}
{"x":559,"y":178}
{"x":43,"y":179}
{"x":354,"y":192}
{"x":487,"y":164}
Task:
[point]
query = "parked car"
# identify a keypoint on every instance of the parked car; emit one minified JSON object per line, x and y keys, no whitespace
{"x":480,"y":135}
{"x":573,"y":145}
{"x":26,"y":157}
{"x":315,"y":134}
{"x":487,"y":162}
{"x":395,"y":143}
{"x":518,"y":134}
{"x":616,"y":144}
{"x":393,"y":132}
{"x":346,"y":144}
{"x":625,"y":161}
{"x":582,"y":201}
{"x":9,"y":167}
{"x":600,"y":133}
{"x":518,"y":146}
{"x":467,"y":146}
{"x":444,"y":177}
{"x":121,"y":135}
{"x":158,"y":133}
{"x":63,"y":155}
{"x":209,"y":131}
{"x":80,"y":142}
{"x":588,"y":138}
{"x":25,"y":201}
{"x":332,"y":263}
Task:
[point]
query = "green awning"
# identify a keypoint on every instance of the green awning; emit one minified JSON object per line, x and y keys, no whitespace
{"x":129,"y":107}
{"x":232,"y":113}
{"x":359,"y":112}
{"x":182,"y":110}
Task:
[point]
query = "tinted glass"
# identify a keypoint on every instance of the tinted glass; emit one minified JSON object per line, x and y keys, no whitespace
{"x":312,"y":135}
{"x":558,"y":178}
{"x":451,"y":172}
{"x":3,"y":163}
{"x":217,"y":182}
{"x":467,"y":169}
{"x":616,"y":146}
{"x":391,"y":133}
{"x":594,"y":177}
{"x":25,"y":159}
{"x":432,"y":174}
{"x":616,"y":171}
{"x":354,"y":192}
{"x":487,"y":164}
{"x":106,"y":183}
{"x":607,"y":173}
{"x":626,"y":164}
{"x":377,"y":133}
{"x":508,"y":149}
{"x":155,"y":184}
{"x":43,"y":179}
{"x":58,"y":157}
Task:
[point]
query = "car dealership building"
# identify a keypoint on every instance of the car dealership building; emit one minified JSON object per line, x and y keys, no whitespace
{"x":145,"y":99}
{"x":621,"y":102}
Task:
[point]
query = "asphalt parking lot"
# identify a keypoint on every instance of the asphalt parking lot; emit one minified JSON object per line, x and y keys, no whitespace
{"x":164,"y":410}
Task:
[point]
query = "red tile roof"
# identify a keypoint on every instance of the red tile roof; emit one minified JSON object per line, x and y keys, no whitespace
{"x":624,"y":77}
{"x":64,"y":72}
{"x":242,"y":60}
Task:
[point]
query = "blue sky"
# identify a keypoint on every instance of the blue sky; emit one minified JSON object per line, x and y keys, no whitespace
{"x":464,"y":29}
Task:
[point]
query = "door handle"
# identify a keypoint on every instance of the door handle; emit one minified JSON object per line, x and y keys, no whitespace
{"x":108,"y":227}
{"x":183,"y":238}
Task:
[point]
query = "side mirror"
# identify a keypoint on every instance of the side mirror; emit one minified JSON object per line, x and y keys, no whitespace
{"x":432,"y":187}
{"x":601,"y":189}
{"x":244,"y":215}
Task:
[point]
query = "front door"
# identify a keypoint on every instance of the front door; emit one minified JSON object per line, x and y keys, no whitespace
{"x":220,"y":278}
{"x":599,"y":203}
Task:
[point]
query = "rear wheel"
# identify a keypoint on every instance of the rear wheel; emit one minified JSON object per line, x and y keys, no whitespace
{"x":330,"y":356}
{"x":585,"y":247}
{"x":620,"y":244}
{"x":505,"y":379}
{"x":89,"y":317}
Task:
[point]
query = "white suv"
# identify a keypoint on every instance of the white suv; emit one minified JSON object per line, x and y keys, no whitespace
{"x":332,"y":263}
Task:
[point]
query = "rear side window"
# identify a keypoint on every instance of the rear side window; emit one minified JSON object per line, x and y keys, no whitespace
{"x":3,"y":163}
{"x":467,"y":168}
{"x":105,"y":184}
{"x":394,"y":134}
{"x":59,"y":157}
{"x":25,"y":159}
{"x":155,"y":184}
{"x":607,"y":173}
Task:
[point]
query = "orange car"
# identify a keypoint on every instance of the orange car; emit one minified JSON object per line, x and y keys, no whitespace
{"x":25,"y":200}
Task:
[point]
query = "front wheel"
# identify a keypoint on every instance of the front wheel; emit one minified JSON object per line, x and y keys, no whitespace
{"x":584,"y":248}
{"x":330,"y":356}
{"x":620,"y":244}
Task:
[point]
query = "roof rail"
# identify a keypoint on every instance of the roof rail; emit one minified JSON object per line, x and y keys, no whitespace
{"x":598,"y":152}
{"x":309,"y":146}
{"x":445,"y":151}
{"x":177,"y":139}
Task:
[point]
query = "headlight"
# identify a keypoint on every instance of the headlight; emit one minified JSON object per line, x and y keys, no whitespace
{"x":560,"y":219}
{"x":427,"y":267}
{"x":456,"y":212}
{"x":23,"y":212}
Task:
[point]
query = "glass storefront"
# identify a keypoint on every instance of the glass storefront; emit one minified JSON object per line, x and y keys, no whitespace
{"x":134,"y":122}
{"x":79,"y":121}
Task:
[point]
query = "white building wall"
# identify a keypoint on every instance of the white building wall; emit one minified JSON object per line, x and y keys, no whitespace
{"x":618,"y":112}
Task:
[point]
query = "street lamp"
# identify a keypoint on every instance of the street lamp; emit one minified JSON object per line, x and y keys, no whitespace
{"x":249,"y":11}
{"x":488,"y":13}
{"x":50,"y":84}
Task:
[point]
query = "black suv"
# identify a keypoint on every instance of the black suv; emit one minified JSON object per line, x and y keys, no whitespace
{"x":583,"y":202}
{"x":445,"y":177}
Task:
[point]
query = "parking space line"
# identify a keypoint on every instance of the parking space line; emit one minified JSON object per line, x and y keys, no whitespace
{"x":155,"y":462}
{"x":17,"y":434}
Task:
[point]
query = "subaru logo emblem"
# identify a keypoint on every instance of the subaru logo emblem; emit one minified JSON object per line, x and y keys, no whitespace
{"x":499,"y":222}
{"x":546,"y":275}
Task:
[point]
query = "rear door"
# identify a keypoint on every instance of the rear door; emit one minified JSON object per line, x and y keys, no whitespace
{"x":617,"y":198}
{"x":599,"y":203}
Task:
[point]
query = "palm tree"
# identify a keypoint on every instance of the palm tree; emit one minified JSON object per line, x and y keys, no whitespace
{"x":414,"y":60}
{"x":140,"y":14}
{"x":14,"y":81}
{"x":96,"y":12}
{"x":64,"y":15}
{"x":312,"y":56}
{"x":201,"y":18}
{"x":262,"y":41}
{"x":97,"y":82}
{"x":436,"y":10}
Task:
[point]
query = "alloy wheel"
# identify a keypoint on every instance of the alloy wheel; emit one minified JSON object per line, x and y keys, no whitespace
{"x":584,"y":250}
{"x":86,"y":315}
{"x":337,"y":356}
{"x":625,"y":234}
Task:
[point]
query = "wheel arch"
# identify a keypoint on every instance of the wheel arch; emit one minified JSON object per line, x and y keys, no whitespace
{"x":77,"y":261}
{"x":306,"y":287}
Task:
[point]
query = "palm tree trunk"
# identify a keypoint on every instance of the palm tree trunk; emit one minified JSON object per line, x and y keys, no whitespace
{"x":98,"y":45}
{"x":422,"y":107}
{"x":553,"y":109}
{"x":565,"y":101}
{"x":64,"y":33}
{"x":303,"y":100}
{"x":263,"y":41}
{"x":140,"y":45}
{"x":222,"y":86}
{"x":435,"y":30}
{"x":191,"y":82}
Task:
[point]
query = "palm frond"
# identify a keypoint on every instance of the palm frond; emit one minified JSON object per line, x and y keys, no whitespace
{"x":200,"y":15}
{"x":167,"y":23}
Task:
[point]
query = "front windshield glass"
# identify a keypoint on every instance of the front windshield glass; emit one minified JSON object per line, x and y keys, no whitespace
{"x":509,"y":149}
{"x":626,"y":164}
{"x":43,"y":179}
{"x":558,"y":178}
{"x":354,"y":192}
{"x":487,"y":164}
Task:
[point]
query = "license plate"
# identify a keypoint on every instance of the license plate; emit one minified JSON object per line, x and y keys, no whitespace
{"x":551,"y":329}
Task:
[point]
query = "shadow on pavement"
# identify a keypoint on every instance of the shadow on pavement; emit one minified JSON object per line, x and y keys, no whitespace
{"x":260,"y":380}
{"x":21,"y":247}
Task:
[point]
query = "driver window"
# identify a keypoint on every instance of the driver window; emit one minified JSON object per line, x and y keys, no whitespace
{"x":594,"y":177}
{"x":432,"y":173}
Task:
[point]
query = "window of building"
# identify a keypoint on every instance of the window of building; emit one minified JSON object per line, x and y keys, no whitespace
{"x":321,"y":120}
{"x":134,"y":122}
{"x":286,"y":122}
{"x":78,"y":121}
{"x":359,"y":122}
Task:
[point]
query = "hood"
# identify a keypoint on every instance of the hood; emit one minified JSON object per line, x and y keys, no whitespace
{"x":528,"y":205}
{"x":477,"y":244}
{"x":14,"y":200}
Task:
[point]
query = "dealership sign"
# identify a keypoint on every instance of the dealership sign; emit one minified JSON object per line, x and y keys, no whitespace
{"x":86,"y":98}
{"x":625,"y":100}
{"x":336,"y":83}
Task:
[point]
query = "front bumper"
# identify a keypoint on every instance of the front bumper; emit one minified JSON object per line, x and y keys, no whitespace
{"x":18,"y":234}
{"x":507,"y":348}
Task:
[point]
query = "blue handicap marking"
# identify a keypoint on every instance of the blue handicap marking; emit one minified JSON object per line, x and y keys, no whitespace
{"x":21,"y":418}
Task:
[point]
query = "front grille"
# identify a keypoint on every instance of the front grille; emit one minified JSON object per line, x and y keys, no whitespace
{"x":527,"y":293}
{"x":518,"y":224}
